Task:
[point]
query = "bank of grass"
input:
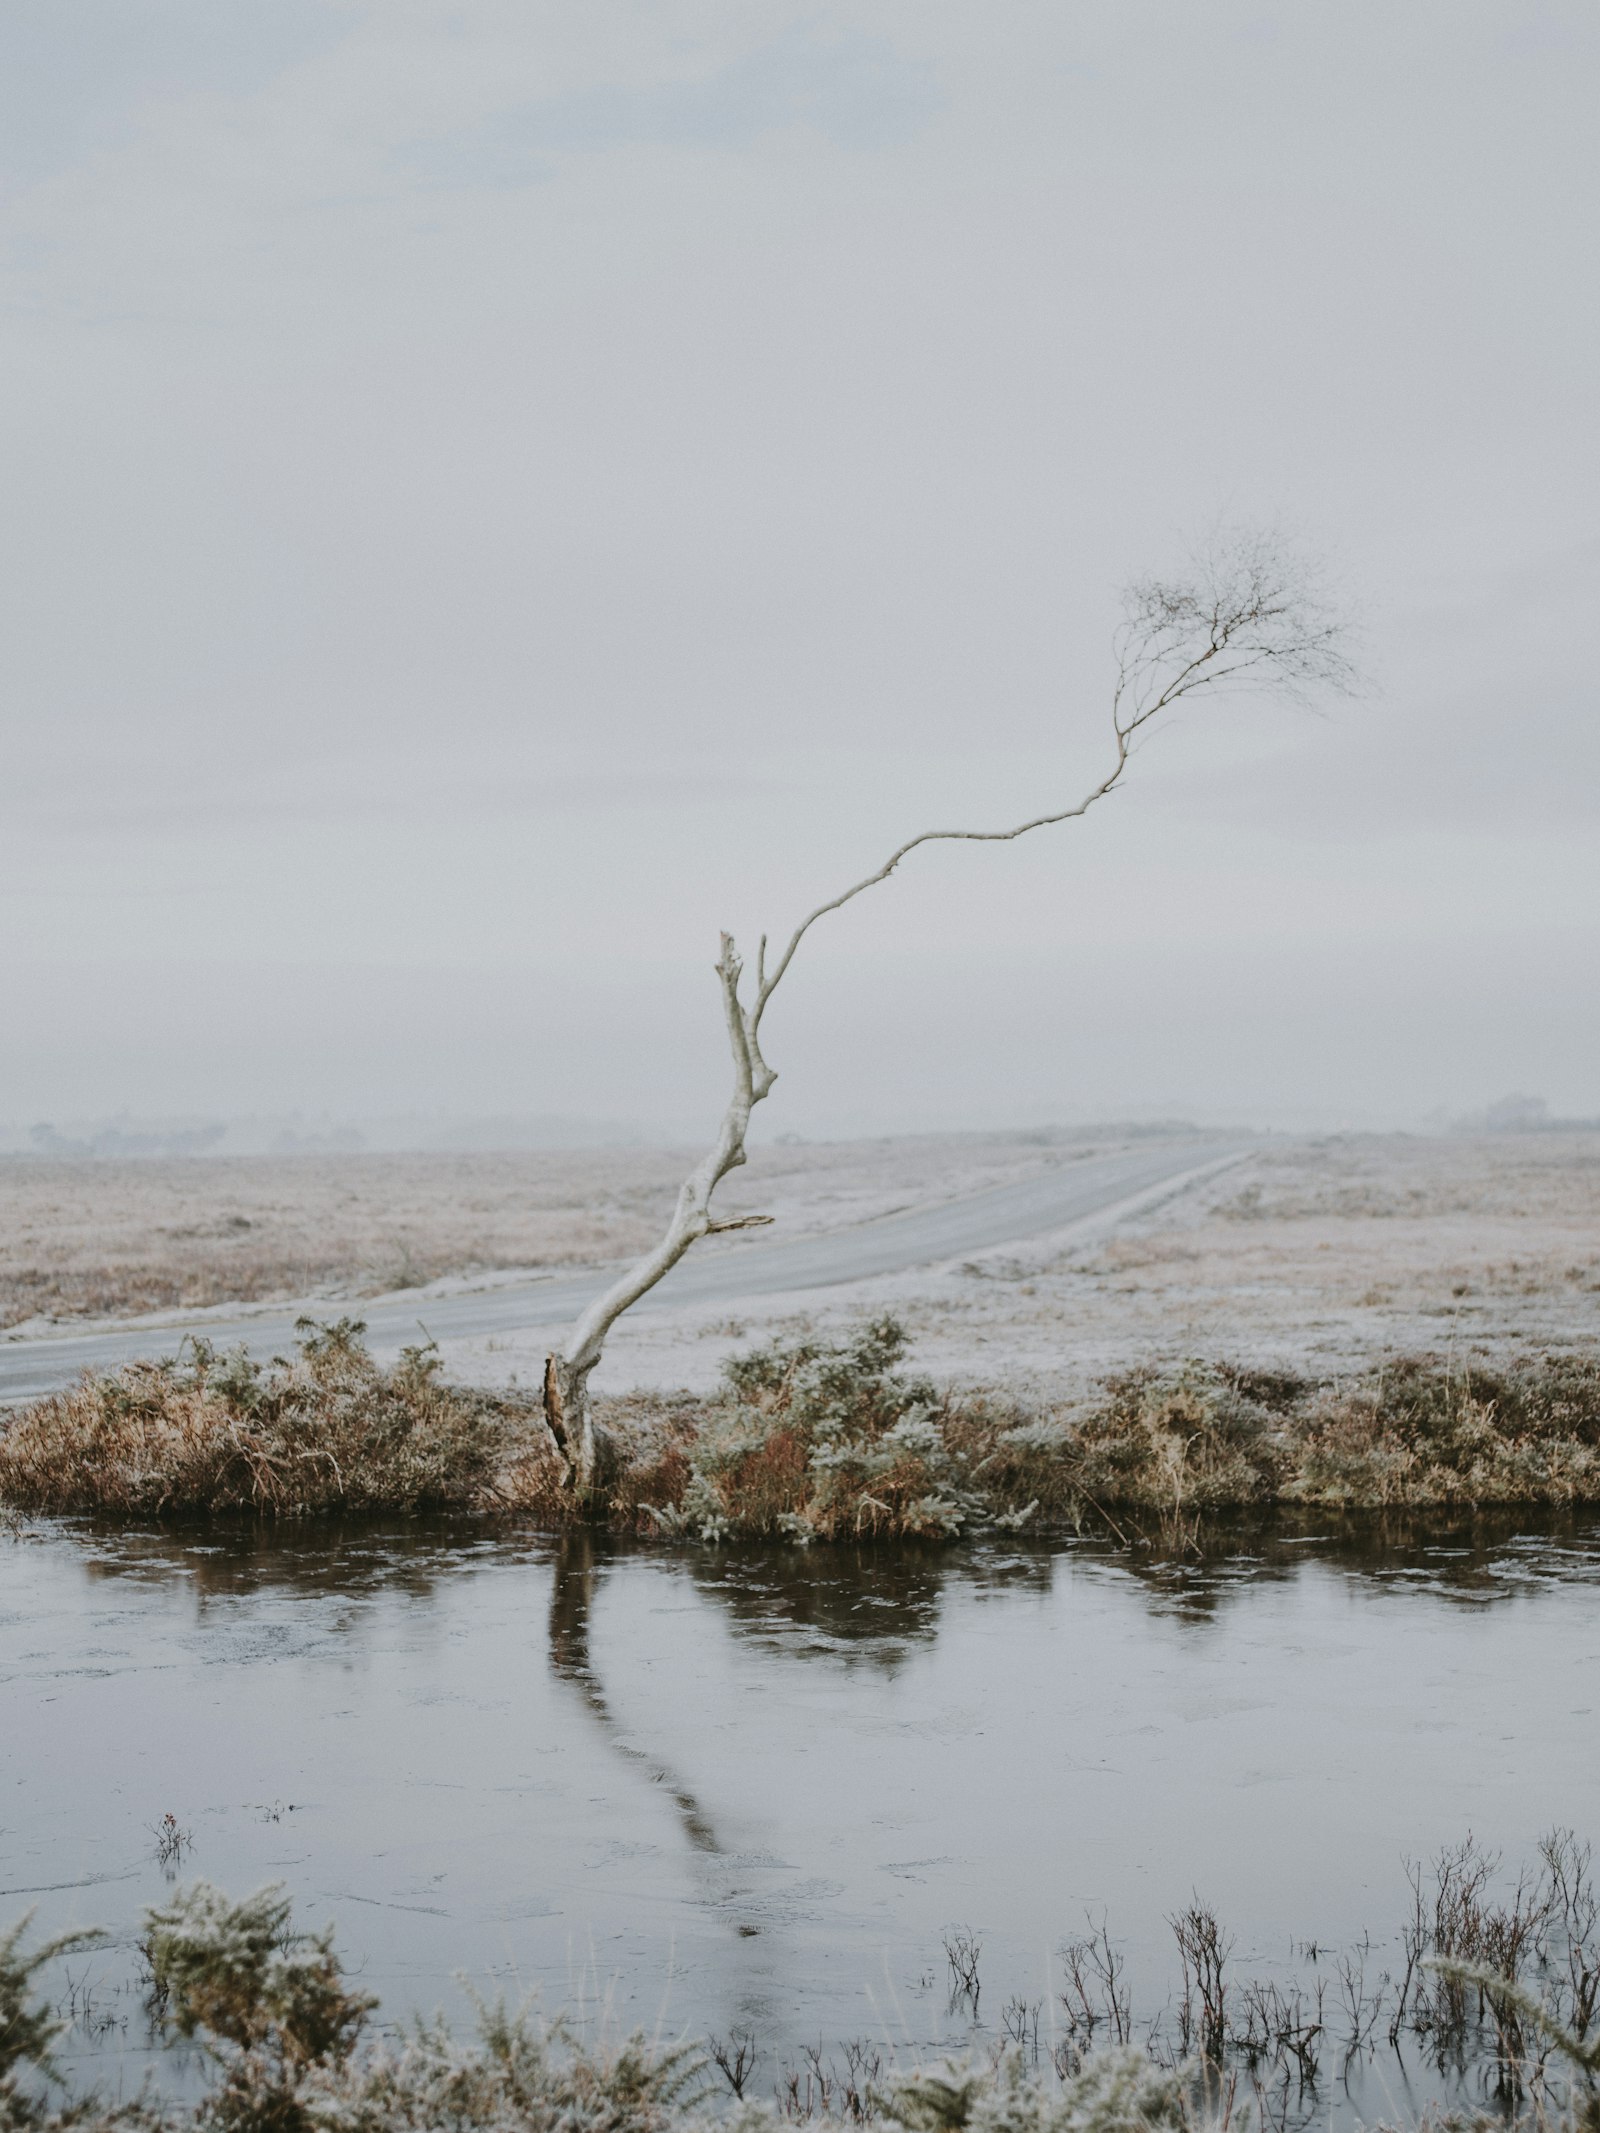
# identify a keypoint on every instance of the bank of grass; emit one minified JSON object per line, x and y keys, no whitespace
{"x":1421,"y":1433}
{"x":325,"y":1430}
{"x":809,"y":1440}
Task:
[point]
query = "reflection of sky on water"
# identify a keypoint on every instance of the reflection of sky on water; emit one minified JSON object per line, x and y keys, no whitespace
{"x":753,"y":1789}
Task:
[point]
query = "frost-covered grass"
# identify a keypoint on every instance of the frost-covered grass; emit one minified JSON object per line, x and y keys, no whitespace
{"x":325,"y":1430}
{"x":292,"y":2053}
{"x":810,"y":1440}
{"x":819,"y":1440}
{"x":1422,"y":1432}
{"x":291,"y":2050}
{"x":830,"y":1440}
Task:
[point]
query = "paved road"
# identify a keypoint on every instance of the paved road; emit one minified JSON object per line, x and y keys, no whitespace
{"x":922,"y":1236}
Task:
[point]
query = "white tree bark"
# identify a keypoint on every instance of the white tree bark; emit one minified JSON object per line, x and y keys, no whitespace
{"x":566,"y":1376}
{"x":1248,"y":614}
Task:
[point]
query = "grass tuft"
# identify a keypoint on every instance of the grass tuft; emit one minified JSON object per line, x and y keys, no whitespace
{"x":326,"y":1430}
{"x":1424,"y":1432}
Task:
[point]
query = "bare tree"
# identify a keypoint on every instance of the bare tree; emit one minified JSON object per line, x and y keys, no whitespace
{"x":1247,"y":613}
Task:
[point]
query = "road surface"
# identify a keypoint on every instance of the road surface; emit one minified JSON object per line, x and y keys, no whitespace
{"x":1053,"y":1199}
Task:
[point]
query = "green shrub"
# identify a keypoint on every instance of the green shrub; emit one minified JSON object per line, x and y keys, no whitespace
{"x":237,"y":1971}
{"x":824,"y":1441}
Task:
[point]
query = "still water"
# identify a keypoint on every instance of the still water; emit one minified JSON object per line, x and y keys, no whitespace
{"x":702,"y":1792}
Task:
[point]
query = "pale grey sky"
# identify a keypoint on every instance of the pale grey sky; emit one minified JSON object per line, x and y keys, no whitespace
{"x":494,"y":491}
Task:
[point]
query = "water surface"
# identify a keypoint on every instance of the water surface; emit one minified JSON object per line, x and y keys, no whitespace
{"x":753,"y":1791}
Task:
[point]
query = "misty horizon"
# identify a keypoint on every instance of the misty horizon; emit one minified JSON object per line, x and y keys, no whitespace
{"x":126,"y":1135}
{"x":494,"y":500}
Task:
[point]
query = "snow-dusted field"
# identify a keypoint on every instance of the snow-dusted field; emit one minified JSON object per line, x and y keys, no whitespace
{"x":1322,"y":1254}
{"x":90,"y":1240}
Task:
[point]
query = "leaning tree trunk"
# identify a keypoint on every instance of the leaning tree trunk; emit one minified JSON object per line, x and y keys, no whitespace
{"x":589,"y":1450}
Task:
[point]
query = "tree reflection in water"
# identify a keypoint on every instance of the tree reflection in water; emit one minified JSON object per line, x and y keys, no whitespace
{"x":861,"y":1605}
{"x":572,"y":1594}
{"x":824,"y":1610}
{"x":354,"y":1559}
{"x":856,"y":1606}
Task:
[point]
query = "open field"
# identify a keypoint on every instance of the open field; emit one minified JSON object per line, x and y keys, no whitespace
{"x":1322,"y":1255}
{"x":1319,"y":1256}
{"x":106,"y":1239}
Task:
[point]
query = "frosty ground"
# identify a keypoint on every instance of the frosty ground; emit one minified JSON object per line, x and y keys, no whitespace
{"x":1323,"y":1255}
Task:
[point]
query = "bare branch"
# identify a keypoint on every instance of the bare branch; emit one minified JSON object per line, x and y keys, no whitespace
{"x":1248,"y":612}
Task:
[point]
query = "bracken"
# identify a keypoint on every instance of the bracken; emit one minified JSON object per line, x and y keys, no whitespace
{"x":809,"y":1440}
{"x":326,"y":1430}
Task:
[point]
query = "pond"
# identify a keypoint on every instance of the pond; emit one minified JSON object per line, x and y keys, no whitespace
{"x":762,"y":1792}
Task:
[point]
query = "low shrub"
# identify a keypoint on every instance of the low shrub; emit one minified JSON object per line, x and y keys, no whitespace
{"x":29,"y":2029}
{"x":815,"y":1440}
{"x":1176,"y":1442}
{"x":287,"y":2037}
{"x":291,"y":2051}
{"x":326,"y":1430}
{"x":826,"y":1441}
{"x":1423,"y":1432}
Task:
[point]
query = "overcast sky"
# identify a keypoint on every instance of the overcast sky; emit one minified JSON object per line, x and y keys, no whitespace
{"x":495,"y":491}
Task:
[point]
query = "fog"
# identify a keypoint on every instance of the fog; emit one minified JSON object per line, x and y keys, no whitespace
{"x":496,"y":492}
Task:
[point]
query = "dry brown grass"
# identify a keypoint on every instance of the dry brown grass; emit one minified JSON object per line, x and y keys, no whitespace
{"x":105,"y":1239}
{"x":328,"y":1431}
{"x":1196,"y":1439}
{"x":1424,"y":1431}
{"x":821,"y":1441}
{"x":1418,"y":1434}
{"x":108,"y":1238}
{"x":810,"y":1440}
